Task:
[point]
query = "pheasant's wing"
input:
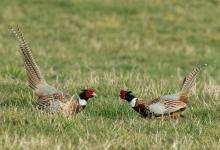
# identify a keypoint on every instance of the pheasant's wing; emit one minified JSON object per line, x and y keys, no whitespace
{"x":36,"y":80}
{"x":52,"y":101}
{"x":173,"y":106}
{"x":44,"y":102}
{"x":166,"y":106}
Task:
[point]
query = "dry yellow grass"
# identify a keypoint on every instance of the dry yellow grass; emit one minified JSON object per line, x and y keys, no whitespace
{"x":145,"y":46}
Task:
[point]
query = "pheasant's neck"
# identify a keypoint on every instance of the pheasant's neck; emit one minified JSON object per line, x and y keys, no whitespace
{"x":142,"y":110}
{"x":132,"y":103}
{"x":82,"y":102}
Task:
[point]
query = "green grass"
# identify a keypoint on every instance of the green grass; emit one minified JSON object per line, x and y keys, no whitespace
{"x":145,"y":46}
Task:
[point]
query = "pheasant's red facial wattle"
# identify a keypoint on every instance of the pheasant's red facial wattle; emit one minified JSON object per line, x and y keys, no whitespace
{"x":123,"y":94}
{"x":90,"y":93}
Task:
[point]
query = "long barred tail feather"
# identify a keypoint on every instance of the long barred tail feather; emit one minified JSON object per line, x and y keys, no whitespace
{"x":189,"y":80}
{"x":33,"y":72}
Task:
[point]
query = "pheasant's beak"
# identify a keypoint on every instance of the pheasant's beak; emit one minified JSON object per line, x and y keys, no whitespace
{"x":94,"y":94}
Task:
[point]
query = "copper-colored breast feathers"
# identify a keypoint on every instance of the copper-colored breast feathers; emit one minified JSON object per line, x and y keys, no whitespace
{"x":142,"y":108}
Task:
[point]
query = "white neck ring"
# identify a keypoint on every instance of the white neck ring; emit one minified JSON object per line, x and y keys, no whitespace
{"x":82,"y":102}
{"x":132,"y":103}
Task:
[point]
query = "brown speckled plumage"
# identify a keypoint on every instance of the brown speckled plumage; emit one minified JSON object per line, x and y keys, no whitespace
{"x":167,"y":106}
{"x":49,"y":98}
{"x":172,"y":108}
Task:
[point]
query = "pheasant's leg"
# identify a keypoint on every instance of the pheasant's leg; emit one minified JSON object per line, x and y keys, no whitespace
{"x":175,"y":115}
{"x":165,"y":117}
{"x":162,"y":117}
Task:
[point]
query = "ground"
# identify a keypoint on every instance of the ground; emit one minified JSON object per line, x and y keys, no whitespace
{"x":144,"y":46}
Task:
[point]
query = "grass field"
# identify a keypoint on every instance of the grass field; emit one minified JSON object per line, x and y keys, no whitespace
{"x":145,"y":46}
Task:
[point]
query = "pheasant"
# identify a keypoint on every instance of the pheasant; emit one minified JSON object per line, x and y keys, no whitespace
{"x":167,"y":106}
{"x":49,"y":98}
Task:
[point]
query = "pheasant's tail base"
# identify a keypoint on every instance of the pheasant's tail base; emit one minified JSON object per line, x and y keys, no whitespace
{"x":33,"y":72}
{"x":36,"y":80}
{"x":189,"y":81}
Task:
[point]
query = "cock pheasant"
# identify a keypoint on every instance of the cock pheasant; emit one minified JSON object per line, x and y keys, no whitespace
{"x":167,"y":106}
{"x":49,"y":99}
